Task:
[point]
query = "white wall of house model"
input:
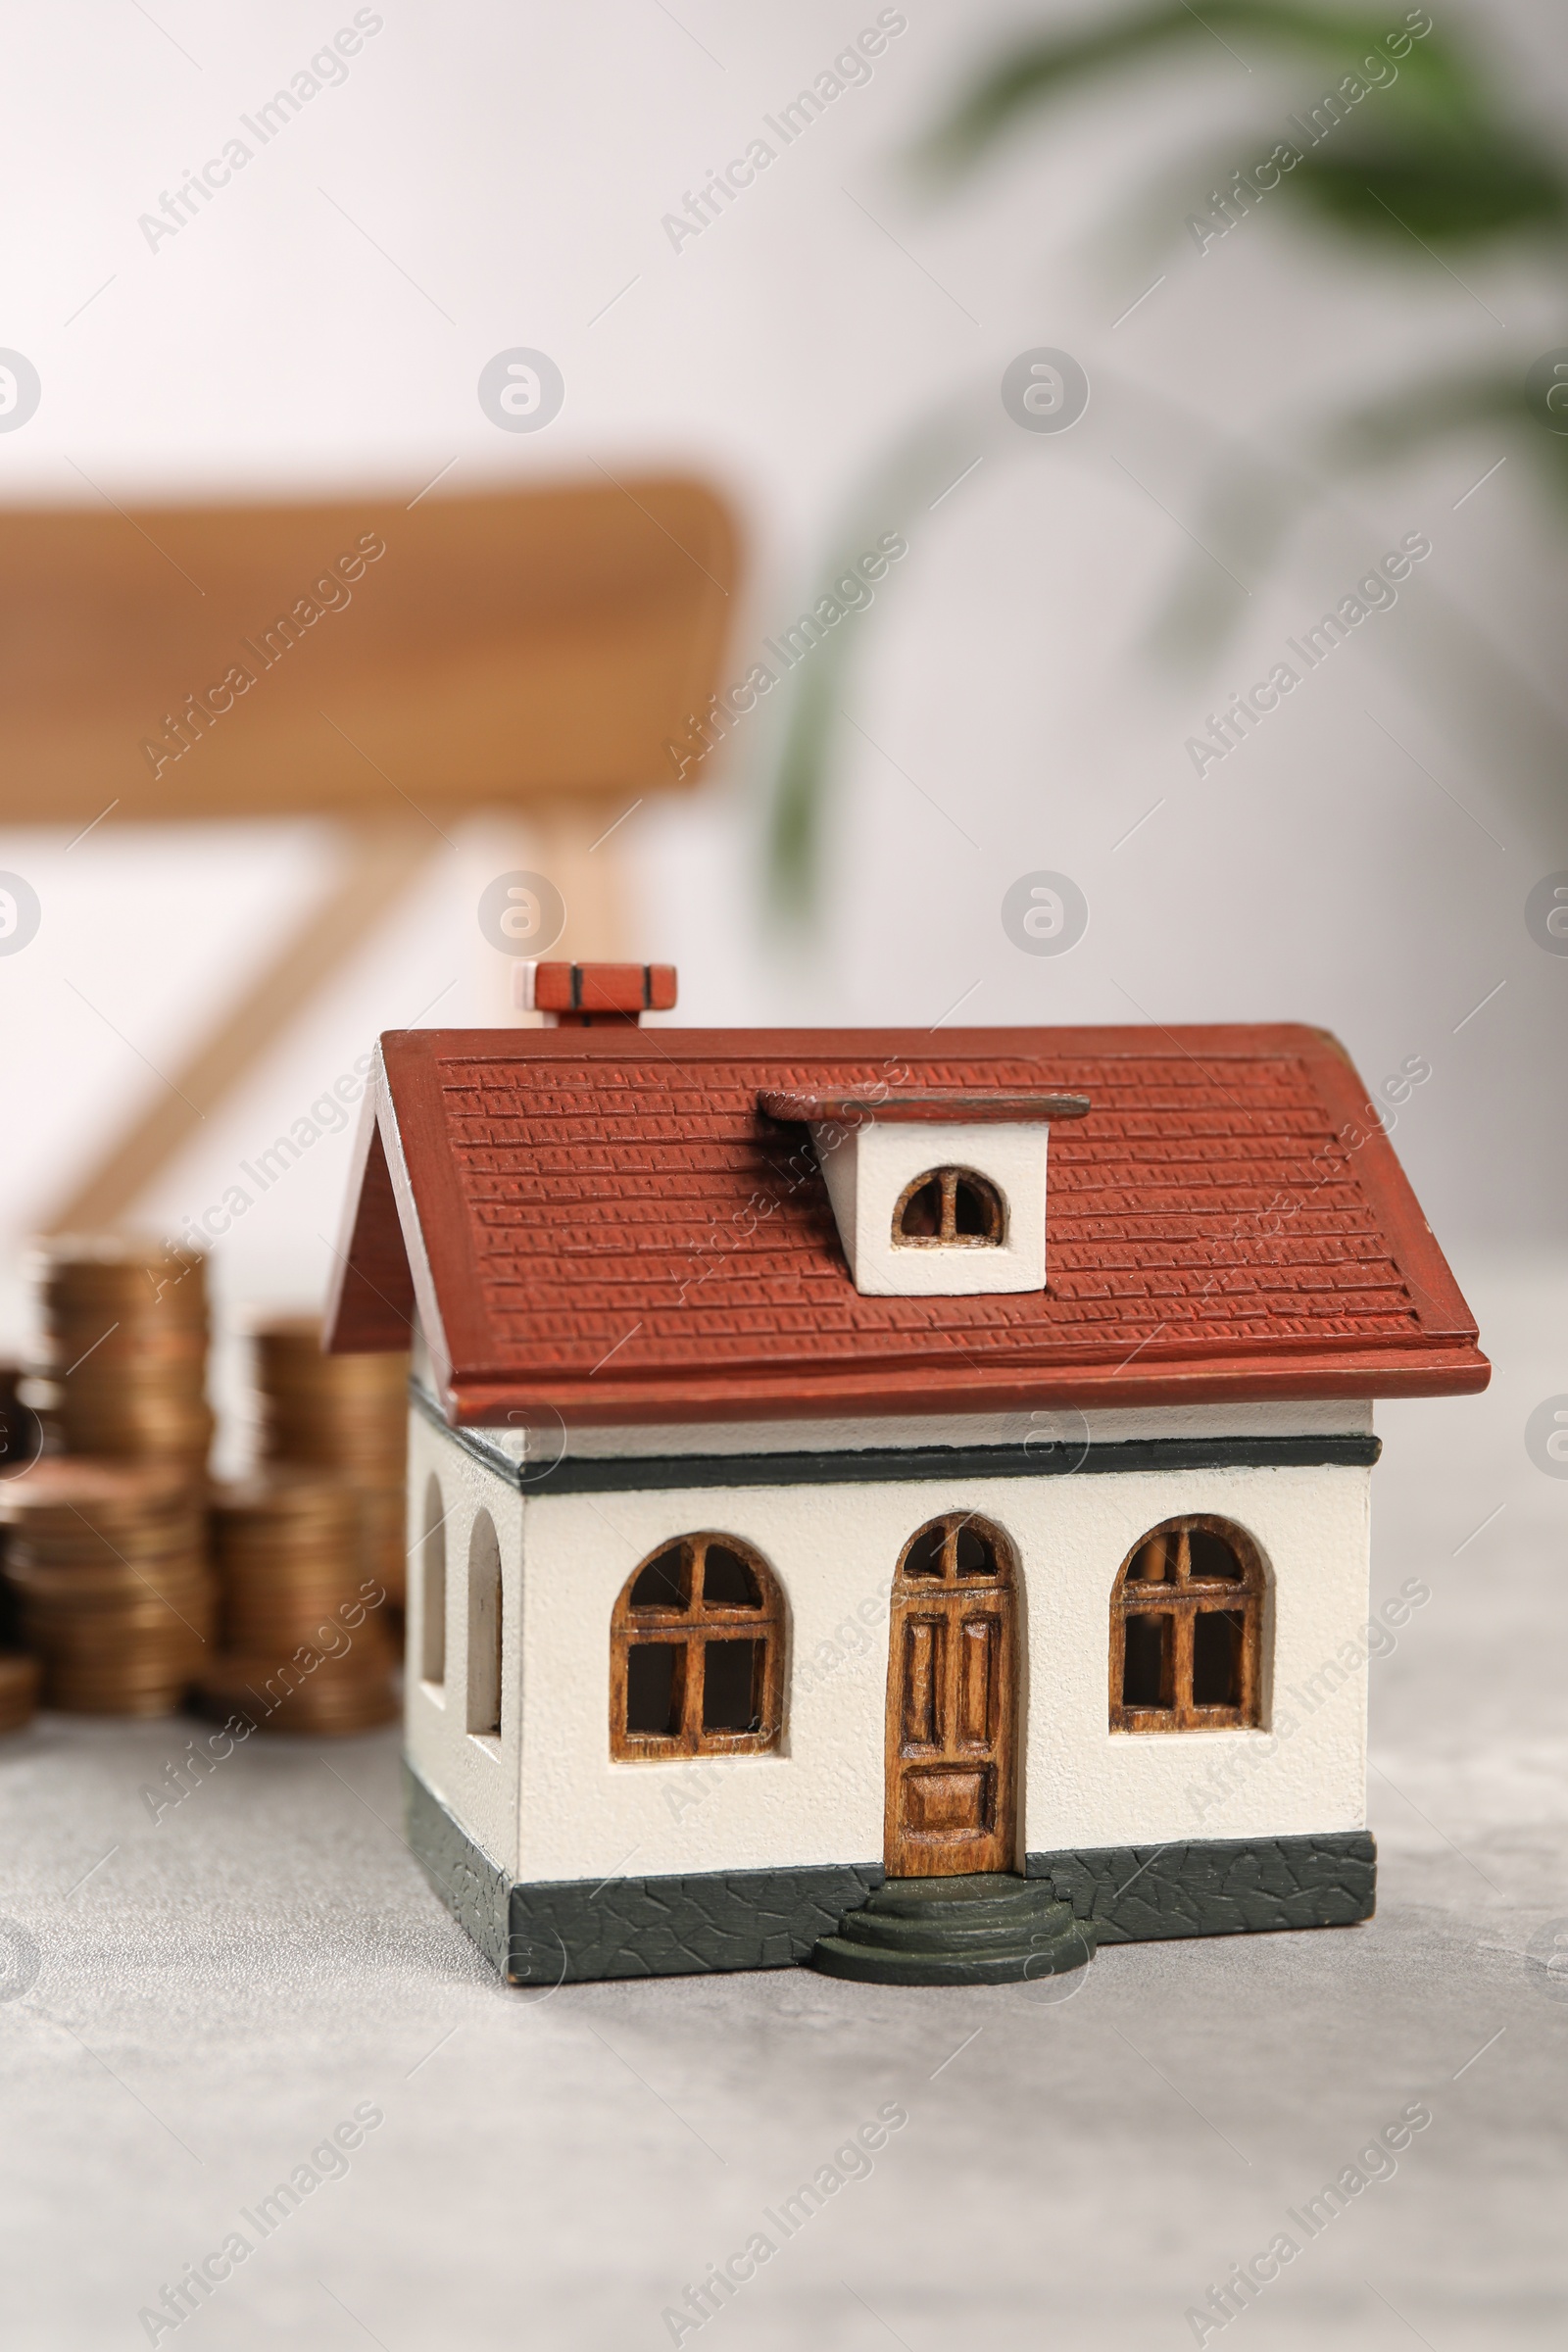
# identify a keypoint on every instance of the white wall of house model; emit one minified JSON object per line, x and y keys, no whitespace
{"x":545,"y":1801}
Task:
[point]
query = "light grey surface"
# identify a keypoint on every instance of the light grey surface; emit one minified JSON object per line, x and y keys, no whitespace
{"x":229,"y":1982}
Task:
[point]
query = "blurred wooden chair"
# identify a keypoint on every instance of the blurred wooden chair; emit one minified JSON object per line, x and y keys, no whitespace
{"x":392,"y":664}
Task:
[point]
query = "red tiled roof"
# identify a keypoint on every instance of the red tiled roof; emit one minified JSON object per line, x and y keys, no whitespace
{"x":603,"y":1222}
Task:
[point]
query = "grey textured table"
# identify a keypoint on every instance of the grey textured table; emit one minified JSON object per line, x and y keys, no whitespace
{"x":216,"y":1992}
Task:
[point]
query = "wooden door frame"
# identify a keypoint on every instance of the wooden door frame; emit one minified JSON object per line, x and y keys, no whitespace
{"x":906,"y":1597}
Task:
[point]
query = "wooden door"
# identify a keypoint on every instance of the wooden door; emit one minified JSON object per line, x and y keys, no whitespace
{"x":951,"y":1721}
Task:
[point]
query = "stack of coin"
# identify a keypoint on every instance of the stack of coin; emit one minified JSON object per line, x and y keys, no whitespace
{"x":19,"y":1691}
{"x":305,"y":1644}
{"x":124,"y":1351}
{"x":21,"y":1431}
{"x":344,"y":1414}
{"x":107,"y":1561}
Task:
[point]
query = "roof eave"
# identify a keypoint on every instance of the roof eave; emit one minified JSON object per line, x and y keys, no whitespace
{"x":598,"y":1401}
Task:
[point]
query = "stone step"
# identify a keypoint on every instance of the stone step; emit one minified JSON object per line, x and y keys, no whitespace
{"x":995,"y":1929}
{"x":998,"y":1897}
{"x":936,"y":1934}
{"x":865,"y":1964}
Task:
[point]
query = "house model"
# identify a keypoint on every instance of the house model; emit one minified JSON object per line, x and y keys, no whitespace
{"x":895,"y":1498}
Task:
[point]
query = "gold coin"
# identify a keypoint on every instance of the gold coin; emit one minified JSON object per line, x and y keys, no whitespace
{"x":125,"y":1348}
{"x":70,"y":1263}
{"x":346,"y":1411}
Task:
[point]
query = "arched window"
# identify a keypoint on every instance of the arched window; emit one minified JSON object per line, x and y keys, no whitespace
{"x":1187,"y":1630}
{"x":484,"y":1629}
{"x":696,"y":1652}
{"x":433,"y":1587}
{"x":950,"y":1208}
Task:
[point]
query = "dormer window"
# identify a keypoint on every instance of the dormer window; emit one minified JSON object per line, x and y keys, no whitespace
{"x":937,"y":1192}
{"x":950,"y":1208}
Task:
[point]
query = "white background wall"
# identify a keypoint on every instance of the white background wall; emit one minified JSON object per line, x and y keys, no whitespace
{"x":508,"y":169}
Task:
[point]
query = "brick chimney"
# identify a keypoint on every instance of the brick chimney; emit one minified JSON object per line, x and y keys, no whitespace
{"x":593,"y":995}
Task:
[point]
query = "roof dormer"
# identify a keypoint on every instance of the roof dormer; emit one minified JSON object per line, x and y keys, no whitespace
{"x":937,"y":1194}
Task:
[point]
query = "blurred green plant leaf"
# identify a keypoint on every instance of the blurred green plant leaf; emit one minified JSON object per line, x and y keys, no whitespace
{"x":1437,"y":158}
{"x":1401,"y":421}
{"x":1249,"y":510}
{"x":1447,"y":191}
{"x":1432,"y":72}
{"x":1429,"y":155}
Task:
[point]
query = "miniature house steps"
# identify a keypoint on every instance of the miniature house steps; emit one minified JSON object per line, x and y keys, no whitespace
{"x":991,"y":1930}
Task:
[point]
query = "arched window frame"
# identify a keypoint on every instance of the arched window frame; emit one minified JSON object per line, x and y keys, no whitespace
{"x":690,"y":1628}
{"x":952,"y":1526}
{"x":947,"y":1236}
{"x":1181,"y":1596}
